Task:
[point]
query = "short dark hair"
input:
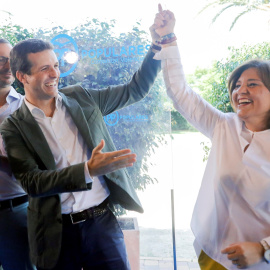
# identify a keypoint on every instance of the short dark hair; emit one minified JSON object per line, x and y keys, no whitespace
{"x":262,"y":67}
{"x":19,"y":55}
{"x":4,"y":41}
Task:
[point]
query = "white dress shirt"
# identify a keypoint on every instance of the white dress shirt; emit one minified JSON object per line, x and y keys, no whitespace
{"x":68,"y":148}
{"x":9,"y":186}
{"x":233,"y":204}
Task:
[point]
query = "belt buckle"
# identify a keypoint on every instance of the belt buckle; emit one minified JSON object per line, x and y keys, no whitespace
{"x":76,"y":222}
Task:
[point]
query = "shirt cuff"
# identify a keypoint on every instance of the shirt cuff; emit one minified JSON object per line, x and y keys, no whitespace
{"x":267,"y":240}
{"x":88,"y":178}
{"x":167,"y":52}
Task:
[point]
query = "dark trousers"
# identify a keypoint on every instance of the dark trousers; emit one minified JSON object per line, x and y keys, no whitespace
{"x":14,"y":249}
{"x":95,"y":244}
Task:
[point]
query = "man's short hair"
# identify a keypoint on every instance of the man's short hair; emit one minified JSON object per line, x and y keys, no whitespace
{"x":19,"y":54}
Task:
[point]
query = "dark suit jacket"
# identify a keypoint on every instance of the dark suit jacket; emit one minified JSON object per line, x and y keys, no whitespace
{"x":33,"y":164}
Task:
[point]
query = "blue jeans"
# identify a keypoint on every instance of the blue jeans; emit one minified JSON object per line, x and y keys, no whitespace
{"x":14,"y":249}
{"x":95,"y":244}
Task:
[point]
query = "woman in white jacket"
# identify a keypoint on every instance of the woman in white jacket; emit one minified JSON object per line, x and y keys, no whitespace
{"x":231,"y":218}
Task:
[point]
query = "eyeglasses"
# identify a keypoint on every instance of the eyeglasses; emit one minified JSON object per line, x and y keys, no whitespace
{"x":3,"y":60}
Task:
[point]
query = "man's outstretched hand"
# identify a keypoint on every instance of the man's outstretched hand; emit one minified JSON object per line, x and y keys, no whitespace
{"x":103,"y":163}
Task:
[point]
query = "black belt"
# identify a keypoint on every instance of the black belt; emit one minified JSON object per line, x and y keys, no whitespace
{"x":74,"y":218}
{"x":13,"y":202}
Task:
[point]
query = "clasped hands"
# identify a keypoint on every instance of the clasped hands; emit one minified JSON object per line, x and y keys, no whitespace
{"x":102,"y":163}
{"x":164,"y":23}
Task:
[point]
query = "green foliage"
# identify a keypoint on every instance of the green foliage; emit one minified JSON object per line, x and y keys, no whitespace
{"x":202,"y":81}
{"x":243,"y":6}
{"x":14,"y":33}
{"x":178,"y":122}
{"x":218,"y":95}
{"x":206,"y":149}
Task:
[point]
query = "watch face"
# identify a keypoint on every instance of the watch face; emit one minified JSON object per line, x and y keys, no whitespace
{"x":267,"y":255}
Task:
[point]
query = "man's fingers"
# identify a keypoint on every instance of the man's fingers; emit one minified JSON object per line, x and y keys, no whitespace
{"x":118,"y":153}
{"x":99,"y":147}
{"x":153,"y":27}
{"x":170,"y":14}
{"x":160,"y":8}
{"x":159,"y":21}
{"x":127,"y":158}
{"x":116,"y":167}
{"x":129,"y":165}
{"x":123,"y":161}
{"x":103,"y":163}
{"x":159,"y":17}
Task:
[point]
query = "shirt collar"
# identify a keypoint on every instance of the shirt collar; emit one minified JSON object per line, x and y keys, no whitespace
{"x":37,"y":112}
{"x":13,"y":94}
{"x":58,"y":102}
{"x":246,"y":135}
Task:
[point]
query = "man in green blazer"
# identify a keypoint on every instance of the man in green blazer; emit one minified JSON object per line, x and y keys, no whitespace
{"x":61,"y":152}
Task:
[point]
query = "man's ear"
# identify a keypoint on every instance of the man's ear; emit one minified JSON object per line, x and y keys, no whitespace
{"x":21,"y":77}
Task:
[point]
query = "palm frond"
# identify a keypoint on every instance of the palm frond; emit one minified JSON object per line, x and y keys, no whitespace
{"x":264,"y":7}
{"x":247,"y":5}
{"x":238,"y":16}
{"x":220,"y":12}
{"x":6,"y":12}
{"x":207,"y":6}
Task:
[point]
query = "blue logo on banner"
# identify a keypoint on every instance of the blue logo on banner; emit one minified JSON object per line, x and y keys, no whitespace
{"x":111,"y":119}
{"x":62,"y":49}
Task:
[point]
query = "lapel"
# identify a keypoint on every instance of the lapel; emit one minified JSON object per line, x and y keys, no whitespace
{"x":79,"y":119}
{"x":33,"y":135}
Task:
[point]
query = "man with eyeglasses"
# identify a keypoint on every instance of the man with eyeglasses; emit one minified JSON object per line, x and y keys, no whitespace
{"x":14,"y":250}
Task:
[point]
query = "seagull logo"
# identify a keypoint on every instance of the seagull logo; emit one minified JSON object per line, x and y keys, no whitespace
{"x":67,"y":53}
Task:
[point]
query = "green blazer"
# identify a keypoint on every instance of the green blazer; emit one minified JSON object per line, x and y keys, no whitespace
{"x":33,"y":164}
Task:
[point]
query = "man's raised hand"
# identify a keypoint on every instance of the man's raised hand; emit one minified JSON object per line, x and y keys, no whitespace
{"x":163,"y":24}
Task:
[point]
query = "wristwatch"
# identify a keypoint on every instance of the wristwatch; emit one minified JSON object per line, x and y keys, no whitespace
{"x":266,"y":250}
